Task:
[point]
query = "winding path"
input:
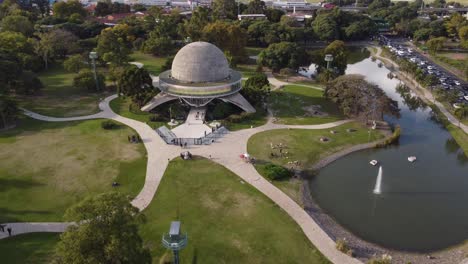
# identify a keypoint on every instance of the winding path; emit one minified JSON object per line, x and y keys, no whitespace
{"x":224,"y":151}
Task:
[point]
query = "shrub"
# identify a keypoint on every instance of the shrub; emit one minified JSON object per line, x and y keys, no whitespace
{"x":85,"y":80}
{"x":276,"y":172}
{"x":342,"y":245}
{"x":385,"y":259}
{"x":392,"y":139}
{"x":108,"y":125}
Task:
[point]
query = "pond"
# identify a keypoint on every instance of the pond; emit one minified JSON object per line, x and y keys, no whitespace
{"x":423,"y":205}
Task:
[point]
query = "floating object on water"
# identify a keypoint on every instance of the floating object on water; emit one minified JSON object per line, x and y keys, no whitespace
{"x":373,"y":162}
{"x":411,"y":158}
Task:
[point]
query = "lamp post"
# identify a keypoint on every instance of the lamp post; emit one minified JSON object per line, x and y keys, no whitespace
{"x":93,"y":56}
{"x":175,"y":240}
{"x":328,"y":59}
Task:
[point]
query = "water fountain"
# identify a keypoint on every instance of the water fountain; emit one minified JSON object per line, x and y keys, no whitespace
{"x":378,"y":182}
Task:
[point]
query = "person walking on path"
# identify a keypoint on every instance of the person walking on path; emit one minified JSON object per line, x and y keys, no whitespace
{"x":2,"y":227}
{"x":9,"y":231}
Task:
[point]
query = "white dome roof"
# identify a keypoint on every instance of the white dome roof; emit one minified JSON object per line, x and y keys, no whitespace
{"x":200,"y":62}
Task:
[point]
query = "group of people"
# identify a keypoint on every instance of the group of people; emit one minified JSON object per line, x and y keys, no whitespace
{"x":2,"y":228}
{"x":134,"y":139}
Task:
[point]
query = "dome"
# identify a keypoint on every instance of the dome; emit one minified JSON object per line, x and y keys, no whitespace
{"x":200,"y":62}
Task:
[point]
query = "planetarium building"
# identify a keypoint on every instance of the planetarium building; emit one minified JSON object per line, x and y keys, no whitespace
{"x":200,"y":73}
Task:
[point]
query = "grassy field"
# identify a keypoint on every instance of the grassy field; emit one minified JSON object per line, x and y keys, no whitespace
{"x":455,"y":62}
{"x":29,"y":248}
{"x":59,"y":97}
{"x":151,"y":63}
{"x":47,"y":167}
{"x":304,"y":146}
{"x":227,"y":221}
{"x":291,"y":105}
{"x":121,"y":105}
{"x":459,"y":136}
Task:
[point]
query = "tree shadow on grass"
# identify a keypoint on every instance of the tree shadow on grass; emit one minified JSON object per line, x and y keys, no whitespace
{"x":9,"y":215}
{"x":6,"y":184}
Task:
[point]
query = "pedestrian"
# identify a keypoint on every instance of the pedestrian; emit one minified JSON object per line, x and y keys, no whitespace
{"x":9,"y":231}
{"x":2,"y":227}
{"x":185,"y":145}
{"x":181,"y":145}
{"x":209,"y":156}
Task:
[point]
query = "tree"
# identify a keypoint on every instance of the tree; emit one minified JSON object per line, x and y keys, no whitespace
{"x":228,"y":37}
{"x":74,"y":63}
{"x":85,"y":80}
{"x":255,"y":7}
{"x":107,"y":232}
{"x":461,"y":113}
{"x":455,"y":23}
{"x":114,"y":44}
{"x":17,"y":23}
{"x":17,"y":45}
{"x":158,"y":46}
{"x":463,"y":35}
{"x":256,"y":89}
{"x":66,"y":9}
{"x":136,"y":83}
{"x":282,"y":55}
{"x":8,"y":111}
{"x":103,"y":8}
{"x":193,"y":28}
{"x":359,"y":99}
{"x":435,"y":44}
{"x":274,"y":15}
{"x":422,"y":34}
{"x":325,"y":26}
{"x":340,"y":58}
{"x":55,"y":44}
{"x":224,"y":9}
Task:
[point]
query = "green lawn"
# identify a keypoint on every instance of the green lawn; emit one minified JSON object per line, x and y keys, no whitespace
{"x":460,"y":136}
{"x":227,"y":220}
{"x":253,"y":51}
{"x":247,"y":70}
{"x":454,"y":62}
{"x":293,"y":105}
{"x":304,"y":146}
{"x":46,"y":167}
{"x":259,"y":118}
{"x":28,"y":248}
{"x":151,"y":63}
{"x":121,"y":106}
{"x":59,"y":97}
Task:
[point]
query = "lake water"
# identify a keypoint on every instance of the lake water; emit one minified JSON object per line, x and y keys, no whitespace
{"x":423,"y":205}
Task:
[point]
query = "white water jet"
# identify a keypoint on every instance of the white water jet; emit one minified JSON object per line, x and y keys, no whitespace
{"x":378,"y":182}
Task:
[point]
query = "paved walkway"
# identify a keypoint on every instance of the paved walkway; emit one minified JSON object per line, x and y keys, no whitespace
{"x":422,"y":92}
{"x":226,"y":152}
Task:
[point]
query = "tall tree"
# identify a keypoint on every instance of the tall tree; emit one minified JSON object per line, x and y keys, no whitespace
{"x":8,"y":111}
{"x":114,"y":44}
{"x":107,"y":232}
{"x":57,"y":43}
{"x":325,"y":26}
{"x":193,"y":28}
{"x":17,"y":23}
{"x":358,"y":98}
{"x":65,"y":9}
{"x":435,"y":44}
{"x":227,"y":36}
{"x":224,"y":9}
{"x":282,"y":55}
{"x":136,"y":83}
{"x":255,"y":7}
